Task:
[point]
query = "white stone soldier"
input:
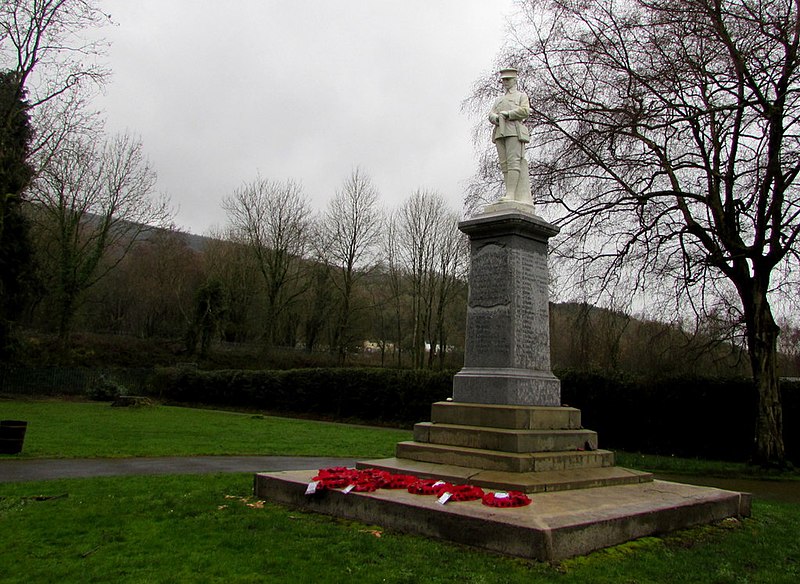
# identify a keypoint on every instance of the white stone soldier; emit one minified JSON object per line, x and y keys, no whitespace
{"x":510,"y":136}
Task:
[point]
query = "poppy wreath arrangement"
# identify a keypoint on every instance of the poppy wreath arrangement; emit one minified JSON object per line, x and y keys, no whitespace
{"x":335,"y":477}
{"x":362,"y":481}
{"x":429,"y":487}
{"x":369,"y":480}
{"x":509,"y":499}
{"x":400,"y":481}
{"x":439,"y":488}
{"x":466,"y":493}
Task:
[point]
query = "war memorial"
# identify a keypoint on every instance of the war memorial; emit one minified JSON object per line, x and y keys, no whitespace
{"x":542,"y":486}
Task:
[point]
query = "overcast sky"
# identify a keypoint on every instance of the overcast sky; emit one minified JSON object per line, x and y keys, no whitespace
{"x":221,"y":90}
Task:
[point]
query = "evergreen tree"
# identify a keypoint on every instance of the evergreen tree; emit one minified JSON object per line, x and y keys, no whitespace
{"x":16,"y":254}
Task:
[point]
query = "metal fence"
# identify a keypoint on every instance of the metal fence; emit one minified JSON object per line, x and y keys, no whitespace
{"x":69,"y":380}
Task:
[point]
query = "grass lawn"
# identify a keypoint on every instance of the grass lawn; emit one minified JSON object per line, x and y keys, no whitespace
{"x":81,"y":429}
{"x":67,"y":429}
{"x":209,"y":529}
{"x":697,"y":466}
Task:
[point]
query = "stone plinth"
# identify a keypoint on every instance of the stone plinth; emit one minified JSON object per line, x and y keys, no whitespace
{"x":521,"y":448}
{"x":555,"y":526}
{"x":506,"y":430}
{"x":507,"y":349}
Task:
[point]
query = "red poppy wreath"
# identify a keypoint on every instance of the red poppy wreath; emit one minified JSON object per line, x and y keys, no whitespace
{"x":509,"y":499}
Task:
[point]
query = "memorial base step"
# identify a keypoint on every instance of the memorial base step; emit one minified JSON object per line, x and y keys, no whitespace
{"x":530,"y":482}
{"x":503,"y":461}
{"x":553,"y":527}
{"x":505,"y":416}
{"x":505,"y":439}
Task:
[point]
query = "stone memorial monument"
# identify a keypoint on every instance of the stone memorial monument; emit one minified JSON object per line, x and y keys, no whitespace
{"x":507,"y":347}
{"x":505,"y":427}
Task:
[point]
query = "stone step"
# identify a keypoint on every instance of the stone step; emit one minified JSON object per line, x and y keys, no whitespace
{"x":528,"y":482}
{"x":503,"y":439}
{"x":503,"y":461}
{"x":555,"y":526}
{"x":505,"y":416}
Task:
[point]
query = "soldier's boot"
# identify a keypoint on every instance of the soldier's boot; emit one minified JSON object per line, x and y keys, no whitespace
{"x":512,"y":178}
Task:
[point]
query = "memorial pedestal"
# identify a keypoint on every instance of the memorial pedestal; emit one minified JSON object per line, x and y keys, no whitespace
{"x":505,"y":426}
{"x":507,"y":345}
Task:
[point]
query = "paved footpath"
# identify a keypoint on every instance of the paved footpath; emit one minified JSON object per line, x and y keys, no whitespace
{"x":68,"y":468}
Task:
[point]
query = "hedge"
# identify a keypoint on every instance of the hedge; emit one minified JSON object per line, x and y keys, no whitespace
{"x":368,"y":394}
{"x":688,"y":417}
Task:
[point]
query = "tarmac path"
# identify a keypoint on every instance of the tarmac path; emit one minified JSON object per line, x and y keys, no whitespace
{"x":66,"y":468}
{"x":42,"y":469}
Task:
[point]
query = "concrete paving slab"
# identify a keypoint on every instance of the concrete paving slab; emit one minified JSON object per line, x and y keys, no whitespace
{"x":555,"y":526}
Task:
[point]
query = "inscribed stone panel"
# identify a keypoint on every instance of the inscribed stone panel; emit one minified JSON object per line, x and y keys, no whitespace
{"x":489,"y":280}
{"x":489,"y":338}
{"x":532,"y":334}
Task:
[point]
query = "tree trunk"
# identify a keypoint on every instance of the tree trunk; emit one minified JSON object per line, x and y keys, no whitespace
{"x":66,"y":307}
{"x":398,"y":338}
{"x":762,"y":339}
{"x":342,"y":336}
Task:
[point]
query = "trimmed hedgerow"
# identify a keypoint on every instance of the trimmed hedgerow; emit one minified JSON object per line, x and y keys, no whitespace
{"x":684,"y":416}
{"x":688,"y":417}
{"x":369,"y":394}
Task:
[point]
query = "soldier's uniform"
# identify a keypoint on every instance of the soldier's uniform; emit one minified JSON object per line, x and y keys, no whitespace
{"x":510,"y":136}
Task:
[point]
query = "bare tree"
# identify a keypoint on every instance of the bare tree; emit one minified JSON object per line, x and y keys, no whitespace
{"x":43,"y":64}
{"x":452,"y":253}
{"x":41,"y":36}
{"x":391,"y":245}
{"x":349,"y":233}
{"x":665,"y":136}
{"x":383,"y":311}
{"x":230,"y":260}
{"x":91,"y":204}
{"x":151,"y":293}
{"x":432,"y":253}
{"x":55,"y":64}
{"x":317,"y":319}
{"x":420,"y":216}
{"x":274,"y":220}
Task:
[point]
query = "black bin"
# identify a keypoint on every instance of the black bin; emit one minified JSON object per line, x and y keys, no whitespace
{"x":12,"y":436}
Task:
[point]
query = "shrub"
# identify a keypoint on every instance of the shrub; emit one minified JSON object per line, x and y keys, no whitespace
{"x":683,"y":416}
{"x":368,"y":394}
{"x":104,"y":389}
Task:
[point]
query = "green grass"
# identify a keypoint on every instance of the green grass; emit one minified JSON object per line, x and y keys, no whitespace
{"x":696,"y":466}
{"x":66,"y":429}
{"x":209,"y":529}
{"x":80,"y":429}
